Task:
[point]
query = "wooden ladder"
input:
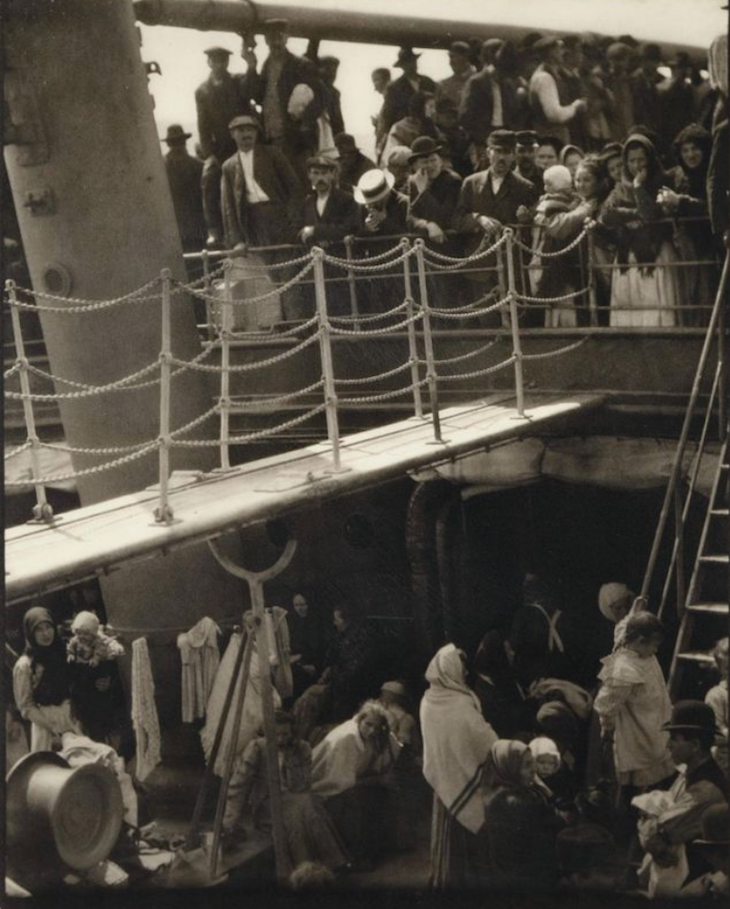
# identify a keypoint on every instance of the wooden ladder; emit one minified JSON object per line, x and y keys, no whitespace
{"x":700,"y":611}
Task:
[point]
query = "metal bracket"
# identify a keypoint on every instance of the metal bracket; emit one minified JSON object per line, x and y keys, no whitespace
{"x":40,"y":202}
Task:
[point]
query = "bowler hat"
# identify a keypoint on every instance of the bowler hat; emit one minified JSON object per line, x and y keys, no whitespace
{"x":422,"y":147}
{"x":345,"y":142}
{"x":217,"y":52}
{"x":321,"y":161}
{"x":715,"y":826}
{"x":526,"y":138}
{"x":244,"y":120}
{"x":77,"y":811}
{"x":692,"y":715}
{"x":176,"y":133}
{"x":269,"y":26}
{"x":501,"y":138}
{"x":373,"y":186}
{"x":405,"y":55}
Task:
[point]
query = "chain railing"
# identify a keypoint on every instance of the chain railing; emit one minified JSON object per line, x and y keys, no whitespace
{"x":406,"y":279}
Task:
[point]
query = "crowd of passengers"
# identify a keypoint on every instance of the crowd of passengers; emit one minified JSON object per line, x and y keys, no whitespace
{"x":546,"y":136}
{"x":531,"y":770}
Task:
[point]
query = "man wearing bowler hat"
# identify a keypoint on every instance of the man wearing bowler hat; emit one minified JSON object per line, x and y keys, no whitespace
{"x":399,"y":93}
{"x":329,"y":214}
{"x":433,"y":191}
{"x":217,"y":100}
{"x":699,"y":785}
{"x":352,"y":162}
{"x":291,"y":95}
{"x":184,"y":173}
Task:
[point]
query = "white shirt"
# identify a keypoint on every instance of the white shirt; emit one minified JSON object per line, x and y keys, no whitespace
{"x":321,"y":203}
{"x":254,"y":193}
{"x":496,"y":183}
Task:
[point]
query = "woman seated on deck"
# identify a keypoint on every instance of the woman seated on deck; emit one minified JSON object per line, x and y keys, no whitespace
{"x":309,"y":833}
{"x":353,"y":770}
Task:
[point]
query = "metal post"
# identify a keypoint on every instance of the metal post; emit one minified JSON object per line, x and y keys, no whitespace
{"x":206,"y":290}
{"x":428,"y":341}
{"x":325,"y":347}
{"x":351,"y":280}
{"x":679,"y":535}
{"x":723,"y":343}
{"x":516,"y":346}
{"x":224,"y":401}
{"x":412,"y":345}
{"x":592,"y":300}
{"x":42,"y":510}
{"x":163,"y":512}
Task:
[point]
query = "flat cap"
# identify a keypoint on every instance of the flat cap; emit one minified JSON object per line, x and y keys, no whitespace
{"x":217,"y":52}
{"x":244,"y":120}
{"x":274,"y":25}
{"x":501,"y":138}
{"x":321,"y":161}
{"x":526,"y":138}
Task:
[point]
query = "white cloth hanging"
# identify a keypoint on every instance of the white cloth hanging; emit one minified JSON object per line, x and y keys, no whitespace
{"x":200,"y":661}
{"x":144,"y":711}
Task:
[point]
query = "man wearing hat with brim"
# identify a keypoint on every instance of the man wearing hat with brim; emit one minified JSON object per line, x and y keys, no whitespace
{"x":399,"y":93}
{"x":433,"y":192}
{"x":714,"y":845}
{"x":699,"y":784}
{"x":552,"y":111}
{"x":291,"y":97}
{"x":221,"y":97}
{"x":489,"y":201}
{"x":329,"y":214}
{"x":526,"y":145}
{"x":352,"y":162}
{"x":644,"y":87}
{"x":184,"y":173}
{"x":452,"y":88}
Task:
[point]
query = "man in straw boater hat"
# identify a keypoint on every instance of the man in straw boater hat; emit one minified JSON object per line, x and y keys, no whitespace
{"x":700,"y":784}
{"x":401,"y":90}
{"x":490,"y":200}
{"x":218,"y":100}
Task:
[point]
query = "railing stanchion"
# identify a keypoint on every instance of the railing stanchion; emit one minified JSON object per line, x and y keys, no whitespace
{"x":42,"y":510}
{"x":352,"y":282}
{"x":325,"y":347}
{"x":412,"y":342}
{"x":225,"y":396}
{"x":679,"y":536}
{"x":205,"y":256}
{"x":723,"y":345}
{"x":428,"y":342}
{"x":514,"y":319}
{"x":163,"y":512}
{"x":592,"y":299}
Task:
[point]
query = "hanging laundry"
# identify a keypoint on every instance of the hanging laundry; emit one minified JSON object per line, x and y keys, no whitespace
{"x":144,"y":711}
{"x":277,"y":632}
{"x":200,"y":661}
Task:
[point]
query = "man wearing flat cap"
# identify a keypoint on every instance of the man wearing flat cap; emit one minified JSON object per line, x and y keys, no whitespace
{"x":217,"y":101}
{"x":399,"y":93}
{"x":452,"y":88}
{"x":699,"y":785}
{"x":291,"y":95}
{"x":184,"y":173}
{"x":490,"y":200}
{"x":552,"y":111}
{"x":329,"y":214}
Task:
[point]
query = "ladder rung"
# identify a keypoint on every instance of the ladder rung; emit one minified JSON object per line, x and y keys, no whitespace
{"x":711,"y":608}
{"x":716,"y":559}
{"x":720,"y":512}
{"x":696,"y":656}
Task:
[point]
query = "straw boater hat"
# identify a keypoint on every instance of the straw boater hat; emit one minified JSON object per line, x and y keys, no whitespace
{"x":58,"y":815}
{"x":373,"y":186}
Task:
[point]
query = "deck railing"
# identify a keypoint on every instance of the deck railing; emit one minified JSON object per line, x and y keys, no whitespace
{"x":406,"y":277}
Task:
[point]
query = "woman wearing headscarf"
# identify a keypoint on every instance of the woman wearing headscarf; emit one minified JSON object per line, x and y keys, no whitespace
{"x":644,"y":290}
{"x":41,"y":681}
{"x":693,"y":239}
{"x":521,"y":826}
{"x":500,"y":695}
{"x":456,"y":742}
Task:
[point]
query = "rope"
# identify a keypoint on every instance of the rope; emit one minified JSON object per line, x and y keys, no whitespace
{"x":350,"y":265}
{"x":457,"y":261}
{"x":13,"y":369}
{"x":550,"y":255}
{"x":558,"y":352}
{"x":263,"y":399}
{"x":248,"y":367}
{"x":118,"y":449}
{"x":373,"y":332}
{"x":99,"y":468}
{"x":383,"y":375}
{"x":252,"y":436}
{"x":270,"y":294}
{"x":384,"y":396}
{"x":466,"y":356}
{"x":571,"y":296}
{"x":468,"y":307}
{"x":16,"y":451}
{"x":372,"y":260}
{"x":479,"y":372}
{"x":263,"y":336}
{"x":196,"y":422}
{"x":474,"y":314}
{"x":81,"y":305}
{"x":90,"y":391}
{"x":377,"y":317}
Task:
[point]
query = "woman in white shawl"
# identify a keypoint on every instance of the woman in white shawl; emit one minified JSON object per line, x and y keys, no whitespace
{"x":456,"y":742}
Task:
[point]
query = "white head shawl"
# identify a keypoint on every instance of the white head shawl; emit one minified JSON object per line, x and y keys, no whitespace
{"x":610,"y":594}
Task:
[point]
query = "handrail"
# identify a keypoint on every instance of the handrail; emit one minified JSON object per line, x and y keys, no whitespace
{"x":684,"y":435}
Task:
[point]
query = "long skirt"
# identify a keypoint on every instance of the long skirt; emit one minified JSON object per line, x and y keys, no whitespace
{"x":645,"y":297}
{"x":458,"y":857}
{"x":310,"y":834}
{"x":365,"y":819}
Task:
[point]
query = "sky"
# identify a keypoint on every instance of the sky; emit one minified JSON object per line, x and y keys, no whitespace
{"x":179,"y":51}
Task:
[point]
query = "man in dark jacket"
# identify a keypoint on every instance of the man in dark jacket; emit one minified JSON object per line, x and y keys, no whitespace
{"x":526,"y":145}
{"x":352,"y":162}
{"x":399,"y":93}
{"x":644,"y":82}
{"x":289,"y":117}
{"x":477,"y":101}
{"x":328,"y":216}
{"x":217,"y":101}
{"x":184,"y":175}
